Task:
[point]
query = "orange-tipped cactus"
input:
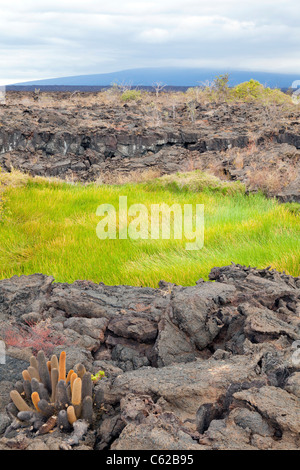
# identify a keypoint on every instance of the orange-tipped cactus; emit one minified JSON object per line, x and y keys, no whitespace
{"x":26,"y":375}
{"x":62,"y":366}
{"x":73,"y":378}
{"x":54,"y":382}
{"x":18,"y":401}
{"x":54,"y":395}
{"x":76,"y":392}
{"x":35,"y":398}
{"x":69,"y":375}
{"x":33,"y":372}
{"x":71,"y":414}
{"x":54,"y":362}
{"x":77,"y":396}
{"x":34,"y":362}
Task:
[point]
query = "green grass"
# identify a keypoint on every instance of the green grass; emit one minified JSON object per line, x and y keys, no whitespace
{"x":50,"y":228}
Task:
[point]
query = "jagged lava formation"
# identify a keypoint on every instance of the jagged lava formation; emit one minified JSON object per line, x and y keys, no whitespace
{"x":210,"y":366}
{"x":86,"y":141}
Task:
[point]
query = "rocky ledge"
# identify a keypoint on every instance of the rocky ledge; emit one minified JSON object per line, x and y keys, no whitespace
{"x":211,"y":366}
{"x":93,"y":141}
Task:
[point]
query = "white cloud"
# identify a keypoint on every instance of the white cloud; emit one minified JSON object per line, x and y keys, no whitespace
{"x":43,"y":39}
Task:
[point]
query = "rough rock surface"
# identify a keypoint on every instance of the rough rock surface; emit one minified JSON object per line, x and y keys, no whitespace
{"x":211,"y":366}
{"x":256,"y":144}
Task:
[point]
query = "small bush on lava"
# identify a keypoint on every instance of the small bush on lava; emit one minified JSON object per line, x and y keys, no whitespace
{"x":131,"y":95}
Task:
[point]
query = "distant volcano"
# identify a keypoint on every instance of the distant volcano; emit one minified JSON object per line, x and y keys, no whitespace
{"x":170,"y":76}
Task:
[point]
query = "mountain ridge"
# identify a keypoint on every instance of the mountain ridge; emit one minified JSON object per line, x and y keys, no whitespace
{"x":170,"y":76}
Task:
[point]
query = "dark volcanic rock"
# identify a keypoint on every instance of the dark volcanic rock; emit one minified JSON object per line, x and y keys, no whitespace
{"x":210,"y":366}
{"x":24,"y":294}
{"x":237,"y":141}
{"x":12,"y":369}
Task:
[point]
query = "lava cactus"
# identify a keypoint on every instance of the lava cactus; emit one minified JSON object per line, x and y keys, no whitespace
{"x":49,"y":396}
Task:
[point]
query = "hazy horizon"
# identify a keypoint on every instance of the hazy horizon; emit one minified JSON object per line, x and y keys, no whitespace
{"x":170,"y":76}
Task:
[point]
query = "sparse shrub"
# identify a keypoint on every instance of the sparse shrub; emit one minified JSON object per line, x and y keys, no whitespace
{"x":271,"y":181}
{"x":193,"y":93}
{"x":13,"y":179}
{"x":131,"y":95}
{"x":221,"y":86}
{"x":116,"y":92}
{"x":264,"y":180}
{"x":248,"y":90}
{"x":192,"y":106}
{"x":239,"y":161}
{"x":253,"y":90}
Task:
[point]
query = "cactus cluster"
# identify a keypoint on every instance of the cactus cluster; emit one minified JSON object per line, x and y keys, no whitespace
{"x":48,"y":396}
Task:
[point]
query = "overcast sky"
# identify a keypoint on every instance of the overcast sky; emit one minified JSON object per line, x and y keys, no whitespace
{"x":56,"y":38}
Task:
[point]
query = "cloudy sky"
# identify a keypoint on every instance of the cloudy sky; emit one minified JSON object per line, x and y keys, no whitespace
{"x":56,"y":38}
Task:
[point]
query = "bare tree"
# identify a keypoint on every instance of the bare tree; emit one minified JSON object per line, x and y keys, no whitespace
{"x":158,"y":87}
{"x":122,"y":87}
